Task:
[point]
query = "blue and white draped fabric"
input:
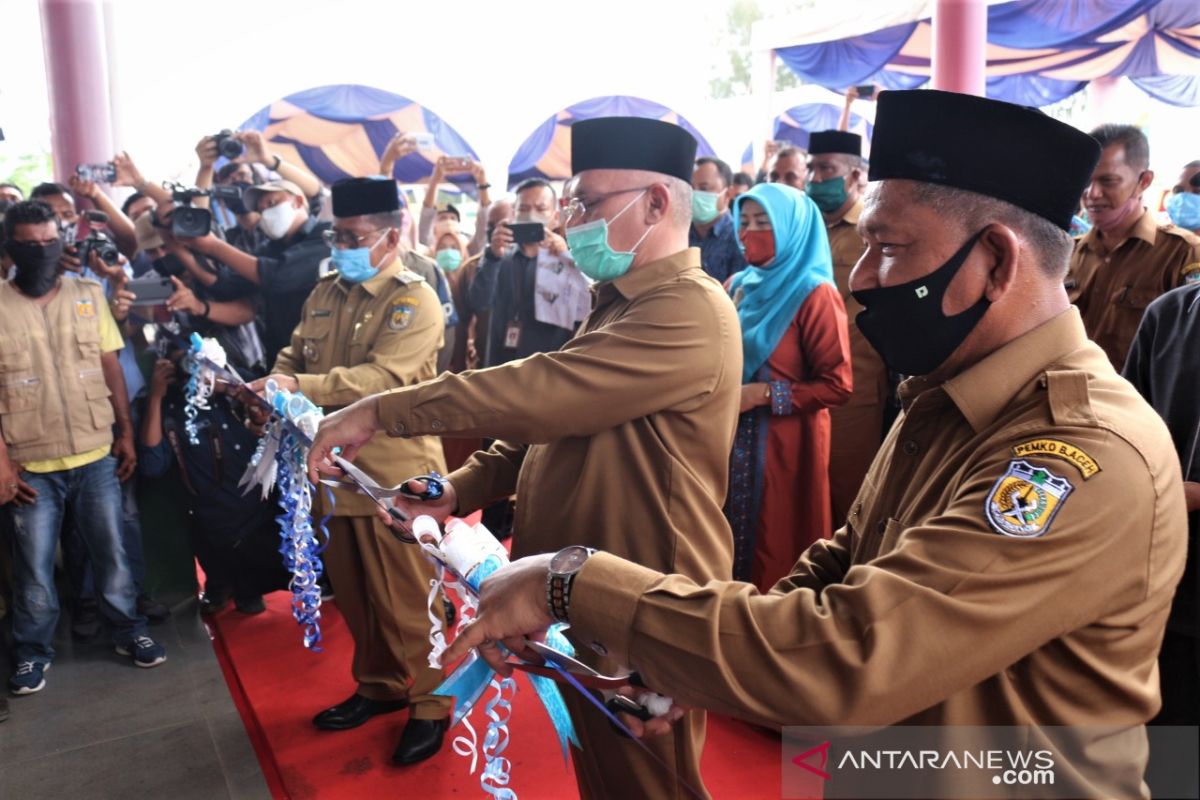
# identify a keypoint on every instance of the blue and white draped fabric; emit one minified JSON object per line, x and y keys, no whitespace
{"x":1038,"y":51}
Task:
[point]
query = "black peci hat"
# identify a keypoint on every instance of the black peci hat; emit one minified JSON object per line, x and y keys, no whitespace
{"x":353,"y":197}
{"x":632,"y":143}
{"x":834,"y":142}
{"x":1012,"y":153}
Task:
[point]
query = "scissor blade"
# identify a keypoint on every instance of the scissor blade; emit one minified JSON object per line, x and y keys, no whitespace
{"x":590,"y":681}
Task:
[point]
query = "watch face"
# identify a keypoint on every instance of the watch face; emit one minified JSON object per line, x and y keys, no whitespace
{"x":569,"y":559}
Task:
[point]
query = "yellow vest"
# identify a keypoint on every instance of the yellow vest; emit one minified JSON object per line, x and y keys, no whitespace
{"x":53,"y":397}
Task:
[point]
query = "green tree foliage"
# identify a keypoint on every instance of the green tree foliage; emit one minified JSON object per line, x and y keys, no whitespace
{"x":733,"y":73}
{"x":26,"y":170}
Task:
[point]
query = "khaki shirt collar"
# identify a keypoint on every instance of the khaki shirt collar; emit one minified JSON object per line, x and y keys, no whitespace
{"x":1145,"y":229}
{"x":850,"y":217}
{"x":638,"y":281}
{"x":987,"y":387}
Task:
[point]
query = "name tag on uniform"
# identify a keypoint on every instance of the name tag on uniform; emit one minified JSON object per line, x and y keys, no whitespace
{"x":512,"y":335}
{"x":321,"y":312}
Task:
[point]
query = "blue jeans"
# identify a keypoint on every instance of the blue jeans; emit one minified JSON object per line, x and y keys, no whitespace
{"x":79,"y":569}
{"x":93,"y":494}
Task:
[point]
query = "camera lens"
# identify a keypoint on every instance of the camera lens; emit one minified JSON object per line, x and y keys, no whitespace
{"x":230,"y":147}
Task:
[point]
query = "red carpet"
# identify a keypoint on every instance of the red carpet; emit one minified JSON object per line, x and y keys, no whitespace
{"x":278,"y":686}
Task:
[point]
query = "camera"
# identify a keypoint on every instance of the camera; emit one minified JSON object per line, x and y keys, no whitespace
{"x":103,"y":246}
{"x":228,"y":146}
{"x":187,"y":221}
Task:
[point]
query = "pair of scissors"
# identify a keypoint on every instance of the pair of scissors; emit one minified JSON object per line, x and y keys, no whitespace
{"x":358,"y":481}
{"x":586,"y":676}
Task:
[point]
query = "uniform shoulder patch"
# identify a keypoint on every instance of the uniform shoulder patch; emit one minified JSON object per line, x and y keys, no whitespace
{"x":1190,"y":273}
{"x":408,"y":277}
{"x":85,"y":308}
{"x":1025,"y":500}
{"x":1056,"y":448}
{"x":401,"y":313}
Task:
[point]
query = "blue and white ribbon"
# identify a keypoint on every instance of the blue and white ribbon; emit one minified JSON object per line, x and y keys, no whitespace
{"x":199,"y":362}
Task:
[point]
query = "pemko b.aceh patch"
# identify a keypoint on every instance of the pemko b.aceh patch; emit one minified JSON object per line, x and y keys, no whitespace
{"x":1025,"y":500}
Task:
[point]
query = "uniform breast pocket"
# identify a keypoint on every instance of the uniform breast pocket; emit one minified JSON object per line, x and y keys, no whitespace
{"x":314,"y":336}
{"x":88,"y":339}
{"x":1134,"y":298}
{"x":15,"y":354}
{"x":20,"y":409}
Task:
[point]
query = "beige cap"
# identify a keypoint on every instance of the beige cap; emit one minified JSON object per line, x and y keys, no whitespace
{"x":252,"y":193}
{"x":148,"y":237}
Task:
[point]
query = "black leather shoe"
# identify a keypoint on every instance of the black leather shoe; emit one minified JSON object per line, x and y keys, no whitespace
{"x":420,"y":740}
{"x":355,"y":711}
{"x":211,"y":603}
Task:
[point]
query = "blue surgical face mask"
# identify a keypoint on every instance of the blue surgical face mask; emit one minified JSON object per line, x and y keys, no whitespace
{"x":354,"y":264}
{"x":704,"y":206}
{"x":593,"y":255}
{"x":449,"y":259}
{"x":1184,"y":210}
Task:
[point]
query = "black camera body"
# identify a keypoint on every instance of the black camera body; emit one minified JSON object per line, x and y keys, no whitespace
{"x":228,"y":146}
{"x":99,"y":243}
{"x":187,"y":221}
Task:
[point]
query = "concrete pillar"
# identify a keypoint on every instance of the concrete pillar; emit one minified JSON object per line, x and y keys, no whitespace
{"x":73,"y":39}
{"x":960,"y":46}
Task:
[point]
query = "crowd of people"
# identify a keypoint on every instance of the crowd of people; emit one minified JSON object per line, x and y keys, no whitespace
{"x":662,"y":359}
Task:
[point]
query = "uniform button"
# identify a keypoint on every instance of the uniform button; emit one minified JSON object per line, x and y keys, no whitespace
{"x":398,"y":428}
{"x":237,"y":447}
{"x":599,"y":649}
{"x":436,"y":425}
{"x":882,"y":526}
{"x":224,"y":426}
{"x":910,"y":447}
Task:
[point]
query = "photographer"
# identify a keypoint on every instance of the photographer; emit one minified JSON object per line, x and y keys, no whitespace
{"x":508,"y":281}
{"x":232,"y":534}
{"x":430,"y":214}
{"x":286,"y":267}
{"x":244,"y":234}
{"x":66,"y":208}
{"x":253,"y":151}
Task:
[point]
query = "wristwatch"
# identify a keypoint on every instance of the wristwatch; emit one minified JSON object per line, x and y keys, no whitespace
{"x":564,"y":566}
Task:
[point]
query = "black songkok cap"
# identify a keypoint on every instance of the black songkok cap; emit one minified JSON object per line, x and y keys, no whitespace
{"x":834,"y":142}
{"x":633,"y":143}
{"x":1012,"y":153}
{"x":353,"y":197}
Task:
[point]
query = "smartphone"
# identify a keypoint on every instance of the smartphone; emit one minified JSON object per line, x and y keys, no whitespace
{"x":97,"y":173}
{"x":424,"y":140}
{"x":866,"y":91}
{"x":527,"y":232}
{"x":151,"y":290}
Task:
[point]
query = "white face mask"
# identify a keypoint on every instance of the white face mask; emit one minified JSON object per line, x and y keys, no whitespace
{"x":276,"y":220}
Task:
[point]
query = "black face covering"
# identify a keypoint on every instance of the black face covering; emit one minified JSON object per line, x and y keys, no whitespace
{"x":905,"y":323}
{"x":37,"y":266}
{"x":169,"y":266}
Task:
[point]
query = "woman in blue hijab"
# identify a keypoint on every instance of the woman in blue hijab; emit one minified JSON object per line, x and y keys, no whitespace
{"x":797,"y":366}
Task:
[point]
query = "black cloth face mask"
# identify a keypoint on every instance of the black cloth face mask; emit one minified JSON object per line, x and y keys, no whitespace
{"x":37,"y":266}
{"x":905,"y":323}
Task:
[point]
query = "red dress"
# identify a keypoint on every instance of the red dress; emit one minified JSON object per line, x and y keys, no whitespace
{"x":813,"y":359}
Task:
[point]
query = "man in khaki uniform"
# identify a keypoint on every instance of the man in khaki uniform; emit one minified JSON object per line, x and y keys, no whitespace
{"x":1127,"y":259}
{"x":620,"y":439}
{"x":370,"y":325}
{"x":1012,"y":555}
{"x":835,"y":173}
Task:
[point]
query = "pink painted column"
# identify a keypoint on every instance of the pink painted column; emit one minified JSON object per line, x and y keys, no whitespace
{"x":960,"y":46}
{"x":73,"y":40}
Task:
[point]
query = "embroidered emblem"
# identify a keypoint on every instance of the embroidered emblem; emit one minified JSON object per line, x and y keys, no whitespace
{"x":85,"y":308}
{"x":1086,"y":465}
{"x":401,"y":314}
{"x":1025,"y":500}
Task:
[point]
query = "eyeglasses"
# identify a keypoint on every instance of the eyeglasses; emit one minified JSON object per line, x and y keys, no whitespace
{"x":575,"y":208}
{"x":348,"y":238}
